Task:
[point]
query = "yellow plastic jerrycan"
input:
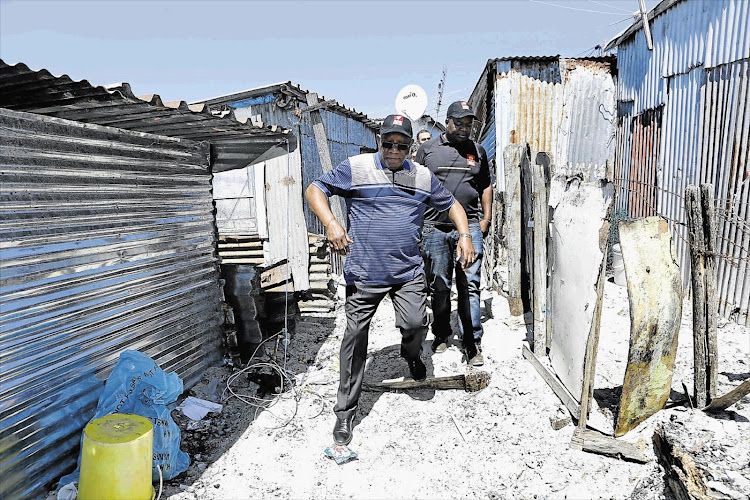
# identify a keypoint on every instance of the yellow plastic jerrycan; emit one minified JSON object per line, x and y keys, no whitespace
{"x":116,"y":459}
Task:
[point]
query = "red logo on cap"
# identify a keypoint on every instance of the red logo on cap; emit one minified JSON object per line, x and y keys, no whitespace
{"x":464,"y":105}
{"x":398,"y":120}
{"x":471,"y":160}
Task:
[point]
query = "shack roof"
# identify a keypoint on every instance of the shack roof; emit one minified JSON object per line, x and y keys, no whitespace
{"x":235,"y":143}
{"x":638,"y":25}
{"x":284,"y":91}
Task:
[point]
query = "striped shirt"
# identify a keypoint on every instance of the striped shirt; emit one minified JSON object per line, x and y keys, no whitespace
{"x":385,"y":211}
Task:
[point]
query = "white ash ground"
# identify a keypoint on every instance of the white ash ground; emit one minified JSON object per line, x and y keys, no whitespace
{"x":409,"y":443}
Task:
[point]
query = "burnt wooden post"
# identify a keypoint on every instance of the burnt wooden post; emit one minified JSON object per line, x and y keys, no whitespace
{"x":527,"y":231}
{"x":325,"y":156}
{"x":712,"y":301}
{"x":696,"y":240}
{"x":540,"y":212}
{"x":512,"y":163}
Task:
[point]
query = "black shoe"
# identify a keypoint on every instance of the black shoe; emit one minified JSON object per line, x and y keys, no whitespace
{"x":342,"y":431}
{"x":417,"y":369}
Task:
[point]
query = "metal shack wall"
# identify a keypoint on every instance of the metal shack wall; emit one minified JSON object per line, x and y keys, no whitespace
{"x":565,"y":107}
{"x":107,"y":243}
{"x":695,"y":78}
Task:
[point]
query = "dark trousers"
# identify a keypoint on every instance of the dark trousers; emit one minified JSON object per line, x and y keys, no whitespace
{"x":362,"y":301}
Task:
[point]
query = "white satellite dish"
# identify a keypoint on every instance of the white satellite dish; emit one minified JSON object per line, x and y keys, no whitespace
{"x":411,"y":101}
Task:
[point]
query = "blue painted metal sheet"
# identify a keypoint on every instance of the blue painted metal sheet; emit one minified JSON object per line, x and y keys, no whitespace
{"x":107,"y":242}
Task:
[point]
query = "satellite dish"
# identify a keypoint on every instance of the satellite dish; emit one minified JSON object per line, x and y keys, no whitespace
{"x":412,"y":102}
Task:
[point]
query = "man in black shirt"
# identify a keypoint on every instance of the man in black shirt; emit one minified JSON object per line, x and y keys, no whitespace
{"x":461,"y":165}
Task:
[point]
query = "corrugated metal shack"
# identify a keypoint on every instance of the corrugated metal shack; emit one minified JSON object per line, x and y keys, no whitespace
{"x":108,"y":243}
{"x":683,"y":117}
{"x":562,"y":106}
{"x":266,"y":200}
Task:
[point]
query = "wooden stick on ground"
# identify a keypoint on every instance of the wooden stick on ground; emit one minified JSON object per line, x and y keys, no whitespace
{"x":596,"y":442}
{"x":729,"y":398}
{"x":471,"y":382}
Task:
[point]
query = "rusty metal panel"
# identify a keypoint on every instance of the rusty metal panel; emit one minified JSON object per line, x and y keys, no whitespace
{"x":725,"y":148}
{"x":578,"y":232}
{"x":655,"y":294}
{"x":644,"y":155}
{"x":107,"y":243}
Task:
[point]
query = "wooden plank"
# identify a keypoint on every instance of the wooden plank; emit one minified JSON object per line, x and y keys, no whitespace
{"x":473,"y":381}
{"x":592,"y":345}
{"x":576,"y":256}
{"x":540,"y":214}
{"x":512,"y":162}
{"x":284,"y":287}
{"x":545,"y":162}
{"x":595,"y":442}
{"x":712,"y":299}
{"x":655,"y":294}
{"x":546,"y":372}
{"x":321,"y":139}
{"x":696,"y":239}
{"x":729,"y":398}
{"x":243,"y":260}
{"x":275,"y":275}
{"x":527,"y":232}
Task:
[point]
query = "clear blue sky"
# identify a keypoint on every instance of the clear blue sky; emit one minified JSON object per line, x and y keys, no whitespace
{"x":357,"y":52}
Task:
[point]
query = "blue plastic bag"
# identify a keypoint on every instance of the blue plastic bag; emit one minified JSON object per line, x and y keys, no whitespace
{"x":137,"y":385}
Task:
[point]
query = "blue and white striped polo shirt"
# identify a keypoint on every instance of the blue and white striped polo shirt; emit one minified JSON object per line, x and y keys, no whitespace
{"x":385,"y":211}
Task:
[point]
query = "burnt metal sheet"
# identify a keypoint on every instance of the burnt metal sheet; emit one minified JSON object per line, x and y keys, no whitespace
{"x":235,"y":141}
{"x":578,"y":233}
{"x":655,"y":294}
{"x":107,"y":243}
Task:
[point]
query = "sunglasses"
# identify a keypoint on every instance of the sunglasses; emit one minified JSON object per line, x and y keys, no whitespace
{"x":401,"y":146}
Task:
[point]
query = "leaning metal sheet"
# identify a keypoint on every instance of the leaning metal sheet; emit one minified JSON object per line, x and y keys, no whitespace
{"x":578,"y":242}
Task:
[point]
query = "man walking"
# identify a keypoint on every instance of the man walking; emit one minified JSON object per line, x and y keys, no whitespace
{"x":461,"y":165}
{"x":386,"y":197}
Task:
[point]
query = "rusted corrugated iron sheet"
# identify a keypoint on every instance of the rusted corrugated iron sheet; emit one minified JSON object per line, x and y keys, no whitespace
{"x":565,"y":107}
{"x":107,"y":242}
{"x":697,"y":75}
{"x":235,"y":141}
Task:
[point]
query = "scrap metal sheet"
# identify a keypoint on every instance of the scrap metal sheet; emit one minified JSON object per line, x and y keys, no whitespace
{"x":655,"y":292}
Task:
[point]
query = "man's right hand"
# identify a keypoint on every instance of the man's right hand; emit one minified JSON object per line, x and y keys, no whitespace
{"x":337,"y":237}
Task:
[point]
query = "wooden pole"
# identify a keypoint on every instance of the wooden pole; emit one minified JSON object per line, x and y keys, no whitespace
{"x":325,"y":156}
{"x":712,"y":301}
{"x":512,"y":163}
{"x":696,"y":240}
{"x":540,"y":214}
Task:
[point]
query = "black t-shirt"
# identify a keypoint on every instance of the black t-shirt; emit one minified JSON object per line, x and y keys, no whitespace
{"x":463,"y":170}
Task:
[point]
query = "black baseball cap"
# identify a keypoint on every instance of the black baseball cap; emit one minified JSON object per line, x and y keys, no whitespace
{"x":398,"y":124}
{"x":459,"y":109}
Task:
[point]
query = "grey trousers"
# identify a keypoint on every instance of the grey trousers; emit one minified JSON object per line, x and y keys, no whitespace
{"x":362,"y":301}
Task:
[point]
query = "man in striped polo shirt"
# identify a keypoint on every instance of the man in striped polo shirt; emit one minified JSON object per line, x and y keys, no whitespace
{"x":386,"y":197}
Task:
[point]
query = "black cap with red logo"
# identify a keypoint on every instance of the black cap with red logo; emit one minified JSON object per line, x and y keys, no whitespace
{"x":398,"y":124}
{"x":459,"y":109}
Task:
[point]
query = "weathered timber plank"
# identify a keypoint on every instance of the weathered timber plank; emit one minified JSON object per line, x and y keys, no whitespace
{"x":728,"y":399}
{"x":655,"y":294}
{"x":471,"y":382}
{"x":595,"y":442}
{"x":540,"y":214}
{"x":697,"y":267}
{"x":712,"y":299}
{"x":512,"y":162}
{"x":545,"y":371}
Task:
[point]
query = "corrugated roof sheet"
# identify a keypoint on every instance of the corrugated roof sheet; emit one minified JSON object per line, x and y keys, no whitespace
{"x":234,"y":142}
{"x":294,"y":90}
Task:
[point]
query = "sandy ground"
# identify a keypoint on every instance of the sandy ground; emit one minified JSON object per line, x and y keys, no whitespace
{"x":496,"y":443}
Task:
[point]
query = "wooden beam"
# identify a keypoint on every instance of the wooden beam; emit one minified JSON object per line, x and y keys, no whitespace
{"x":325,"y":156}
{"x":596,"y":442}
{"x":540,"y":214}
{"x":697,"y":267}
{"x":512,"y":162}
{"x":729,"y":398}
{"x":712,"y":300}
{"x":553,"y":382}
{"x":646,"y":27}
{"x":470,"y":382}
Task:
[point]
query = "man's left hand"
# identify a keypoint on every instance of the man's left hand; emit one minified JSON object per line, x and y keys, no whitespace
{"x":465,"y":252}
